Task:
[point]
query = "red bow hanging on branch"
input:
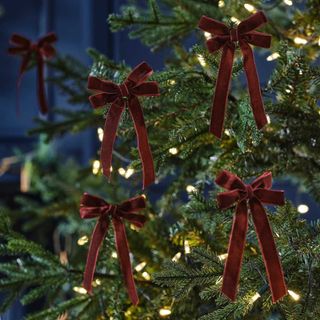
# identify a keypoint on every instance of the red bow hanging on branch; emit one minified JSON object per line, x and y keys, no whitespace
{"x":42,"y":49}
{"x":225,"y":38}
{"x":119,"y":96}
{"x":257,"y":193}
{"x":94,"y":207}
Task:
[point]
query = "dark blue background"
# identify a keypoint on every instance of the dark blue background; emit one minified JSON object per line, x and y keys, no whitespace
{"x":79,"y":24}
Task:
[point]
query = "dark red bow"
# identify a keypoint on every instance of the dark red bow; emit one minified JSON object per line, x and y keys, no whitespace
{"x":42,"y":49}
{"x":257,"y":193}
{"x":120,"y":96}
{"x":225,"y":38}
{"x":94,"y":207}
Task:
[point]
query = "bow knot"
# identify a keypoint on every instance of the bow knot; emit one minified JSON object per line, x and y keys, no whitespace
{"x":234,"y":36}
{"x":249,"y":191}
{"x":121,"y":96}
{"x":257,"y":193}
{"x":225,"y":38}
{"x":42,"y":49}
{"x":94,"y":207}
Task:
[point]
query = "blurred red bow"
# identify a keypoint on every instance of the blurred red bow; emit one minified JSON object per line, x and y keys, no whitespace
{"x":42,"y":49}
{"x":256,"y":193}
{"x":225,"y":38}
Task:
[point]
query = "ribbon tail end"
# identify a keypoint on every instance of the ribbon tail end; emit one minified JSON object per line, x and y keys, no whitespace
{"x":230,"y":295}
{"x":280,"y":295}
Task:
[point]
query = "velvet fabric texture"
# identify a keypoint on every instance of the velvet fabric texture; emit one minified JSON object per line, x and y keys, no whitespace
{"x":223,"y":37}
{"x":94,"y":207}
{"x":42,"y":49}
{"x":255,"y":194}
{"x":121,"y":96}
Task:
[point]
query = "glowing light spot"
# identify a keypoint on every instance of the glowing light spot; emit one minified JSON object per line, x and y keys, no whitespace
{"x":207,"y":35}
{"x":129,"y":173}
{"x":221,"y":4}
{"x":122,"y":171}
{"x":95,"y":166}
{"x":176,"y":257}
{"x":235,"y":20}
{"x":255,"y":298}
{"x":299,"y":40}
{"x":294,"y":295}
{"x":303,"y":208}
{"x":173,"y":150}
{"x":114,"y":255}
{"x":80,"y":290}
{"x":287,"y":2}
{"x":140,"y":266}
{"x":190,"y":188}
{"x":83,"y":240}
{"x":146,"y":275}
{"x":164,"y":312}
{"x":249,"y":7}
{"x":201,"y":60}
{"x":186,"y":247}
{"x":273,"y":56}
{"x":100,"y":133}
{"x":223,"y":256}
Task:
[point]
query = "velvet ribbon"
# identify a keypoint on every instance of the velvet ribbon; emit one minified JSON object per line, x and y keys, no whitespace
{"x":94,"y":207}
{"x":255,"y":194}
{"x":119,"y":96}
{"x":42,"y":49}
{"x":225,"y":38}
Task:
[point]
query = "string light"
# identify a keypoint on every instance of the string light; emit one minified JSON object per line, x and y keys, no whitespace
{"x":207,"y":35}
{"x":100,"y":133}
{"x":319,"y":42}
{"x":122,"y":171}
{"x":95,"y":166}
{"x":80,"y":290}
{"x":255,"y":298}
{"x":303,"y":208}
{"x":268,"y":118}
{"x":176,"y":257}
{"x":299,"y":40}
{"x":129,"y":173}
{"x":172,"y":82}
{"x":201,"y":60}
{"x":164,"y":312}
{"x":173,"y":150}
{"x":140,"y":266}
{"x":249,"y":7}
{"x":287,"y":2}
{"x":235,"y":20}
{"x":227,"y":132}
{"x":146,"y":275}
{"x":98,"y":282}
{"x":83,"y":240}
{"x":114,"y":255}
{"x":223,"y":256}
{"x":190,"y":188}
{"x":186,"y":247}
{"x":221,"y":4}
{"x":294,"y":295}
{"x":273,"y":56}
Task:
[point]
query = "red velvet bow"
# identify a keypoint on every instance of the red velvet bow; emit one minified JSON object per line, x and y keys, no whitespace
{"x":225,"y":38}
{"x":42,"y":49}
{"x":94,"y":207}
{"x":120,"y":96}
{"x":257,"y":193}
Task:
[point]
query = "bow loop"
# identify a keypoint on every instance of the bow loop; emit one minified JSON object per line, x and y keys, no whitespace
{"x":213,"y":26}
{"x":256,"y":193}
{"x":140,"y":73}
{"x":253,"y":22}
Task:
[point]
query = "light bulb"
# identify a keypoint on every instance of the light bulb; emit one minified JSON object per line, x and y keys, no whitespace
{"x":100,"y":133}
{"x":186,"y":247}
{"x":249,"y":7}
{"x":122,"y":171}
{"x":201,"y":60}
{"x":95,"y":166}
{"x":173,"y":150}
{"x":303,"y":208}
{"x":294,"y":295}
{"x":299,"y":40}
{"x":129,"y":173}
{"x":287,"y":2}
{"x":164,"y":312}
{"x":140,"y":266}
{"x":80,"y":290}
{"x":83,"y":240}
{"x":190,"y":188}
{"x":255,"y":298}
{"x":146,"y":275}
{"x":273,"y":56}
{"x":223,"y":256}
{"x":176,"y":257}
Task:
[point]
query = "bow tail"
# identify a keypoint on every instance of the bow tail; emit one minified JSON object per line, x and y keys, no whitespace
{"x":253,"y":85}
{"x":142,"y":141}
{"x":231,"y":274}
{"x":98,"y":235}
{"x":124,"y":257}
{"x":269,"y":250}
{"x":109,"y":136}
{"x":41,"y":85}
{"x":221,"y":91}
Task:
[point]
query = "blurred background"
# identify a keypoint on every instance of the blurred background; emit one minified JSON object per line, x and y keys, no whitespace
{"x":79,"y":24}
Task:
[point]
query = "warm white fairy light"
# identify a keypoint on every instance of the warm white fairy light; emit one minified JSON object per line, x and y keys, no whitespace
{"x":114,"y":255}
{"x":98,"y":282}
{"x":172,"y":82}
{"x":273,"y":56}
{"x":80,"y":290}
{"x":129,"y":173}
{"x":207,"y":35}
{"x":221,"y":4}
{"x":227,"y":132}
{"x":186,"y":247}
{"x":146,"y":275}
{"x":122,"y":171}
{"x":294,"y":295}
{"x":176,"y":257}
{"x":95,"y":166}
{"x":201,"y":60}
{"x":319,"y":42}
{"x":100,"y":133}
{"x":287,"y":2}
{"x":83,"y":240}
{"x":249,"y":7}
{"x":164,"y":312}
{"x":190,"y":188}
{"x":173,"y":150}
{"x":268,"y":118}
{"x":235,"y":20}
{"x":255,"y":298}
{"x":303,"y":208}
{"x":139,"y":267}
{"x":299,"y":40}
{"x":223,"y":256}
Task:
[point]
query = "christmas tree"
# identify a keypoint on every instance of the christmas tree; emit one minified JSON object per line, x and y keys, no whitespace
{"x":178,"y":256}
